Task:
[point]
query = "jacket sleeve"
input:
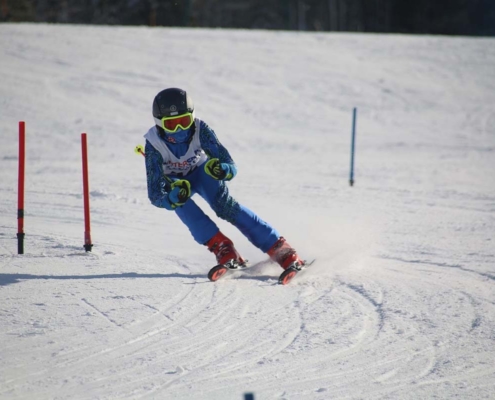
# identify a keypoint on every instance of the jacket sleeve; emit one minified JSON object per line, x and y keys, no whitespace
{"x":212,"y":146}
{"x":154,"y":174}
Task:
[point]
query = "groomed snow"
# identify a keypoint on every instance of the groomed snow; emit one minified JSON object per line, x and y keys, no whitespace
{"x":401,"y":301}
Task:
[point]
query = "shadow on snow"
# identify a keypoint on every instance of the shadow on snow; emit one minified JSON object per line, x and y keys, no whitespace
{"x":7,"y":279}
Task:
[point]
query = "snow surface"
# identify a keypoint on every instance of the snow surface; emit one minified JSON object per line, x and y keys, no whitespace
{"x":399,"y":305}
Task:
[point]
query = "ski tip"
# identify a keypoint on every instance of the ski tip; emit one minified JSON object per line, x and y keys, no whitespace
{"x":217,"y":272}
{"x":287,"y":276}
{"x":290,"y":273}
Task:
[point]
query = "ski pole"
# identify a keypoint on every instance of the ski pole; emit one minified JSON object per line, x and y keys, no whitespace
{"x":139,"y":149}
{"x":87,"y":224}
{"x":353,"y":140}
{"x":20,"y":194}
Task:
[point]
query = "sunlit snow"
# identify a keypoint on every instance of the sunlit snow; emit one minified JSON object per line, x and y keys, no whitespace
{"x":400,"y":303}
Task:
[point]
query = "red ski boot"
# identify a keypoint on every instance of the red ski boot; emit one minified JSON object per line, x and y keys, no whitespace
{"x":284,"y":254}
{"x":226,"y":254}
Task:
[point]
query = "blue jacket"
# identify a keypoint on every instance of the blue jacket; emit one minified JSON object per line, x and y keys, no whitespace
{"x":157,"y":184}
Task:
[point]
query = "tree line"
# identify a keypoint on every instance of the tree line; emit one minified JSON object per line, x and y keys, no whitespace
{"x":448,"y":17}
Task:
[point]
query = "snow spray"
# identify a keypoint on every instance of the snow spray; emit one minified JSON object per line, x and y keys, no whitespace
{"x":20,"y":193}
{"x":87,"y":228}
{"x":353,"y":142}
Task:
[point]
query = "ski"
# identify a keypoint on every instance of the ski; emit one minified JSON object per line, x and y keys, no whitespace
{"x":220,"y":270}
{"x":289,"y":274}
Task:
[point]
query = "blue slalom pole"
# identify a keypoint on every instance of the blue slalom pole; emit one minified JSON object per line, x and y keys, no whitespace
{"x":353,"y":145}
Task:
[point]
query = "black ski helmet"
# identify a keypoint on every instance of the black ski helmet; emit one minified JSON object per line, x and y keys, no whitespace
{"x":171,"y":102}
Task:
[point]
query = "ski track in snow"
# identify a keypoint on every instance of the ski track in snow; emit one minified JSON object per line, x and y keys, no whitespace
{"x":400,"y":303}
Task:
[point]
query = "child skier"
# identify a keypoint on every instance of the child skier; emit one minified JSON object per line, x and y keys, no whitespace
{"x":184,"y":157}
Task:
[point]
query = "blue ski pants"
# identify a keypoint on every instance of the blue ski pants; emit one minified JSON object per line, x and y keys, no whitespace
{"x":216,"y":194}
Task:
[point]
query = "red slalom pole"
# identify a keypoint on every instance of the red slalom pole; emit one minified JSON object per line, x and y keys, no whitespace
{"x":87,"y":226}
{"x":20,"y":193}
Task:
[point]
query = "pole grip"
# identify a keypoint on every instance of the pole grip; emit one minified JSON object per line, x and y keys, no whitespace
{"x":87,"y":224}
{"x":20,"y":191}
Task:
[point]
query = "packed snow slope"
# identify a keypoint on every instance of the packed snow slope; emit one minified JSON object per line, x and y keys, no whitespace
{"x":401,"y":301}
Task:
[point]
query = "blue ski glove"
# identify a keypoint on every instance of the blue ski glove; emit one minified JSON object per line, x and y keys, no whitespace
{"x":175,"y":196}
{"x":165,"y":203}
{"x":220,"y":171}
{"x":180,"y":193}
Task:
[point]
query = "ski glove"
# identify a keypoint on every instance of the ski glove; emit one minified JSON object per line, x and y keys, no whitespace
{"x":220,"y":171}
{"x":180,"y":193}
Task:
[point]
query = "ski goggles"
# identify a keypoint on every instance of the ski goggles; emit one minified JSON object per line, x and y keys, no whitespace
{"x":173,"y":124}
